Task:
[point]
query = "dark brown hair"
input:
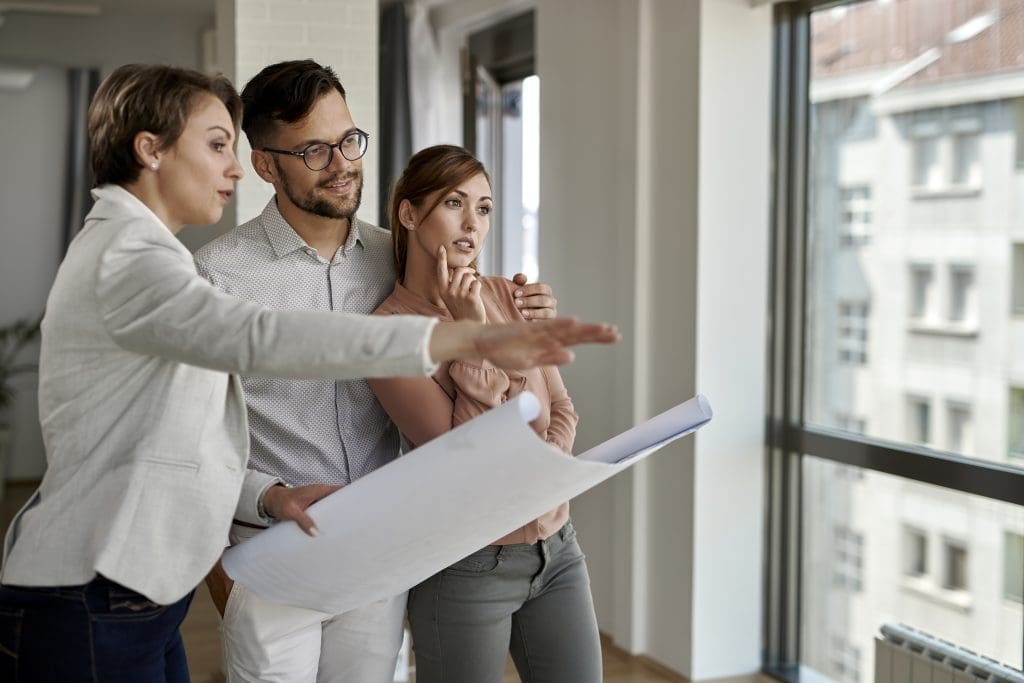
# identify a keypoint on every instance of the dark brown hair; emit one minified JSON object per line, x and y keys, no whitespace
{"x":283,"y":92}
{"x":439,"y":169}
{"x":152,"y":98}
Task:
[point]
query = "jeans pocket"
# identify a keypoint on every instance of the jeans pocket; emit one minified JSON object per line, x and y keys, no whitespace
{"x":10,"y":642}
{"x":483,"y":561}
{"x":125,"y":604}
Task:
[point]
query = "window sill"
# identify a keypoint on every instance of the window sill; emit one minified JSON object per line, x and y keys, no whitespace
{"x":958,"y":600}
{"x":949,"y":330}
{"x":948,"y":192}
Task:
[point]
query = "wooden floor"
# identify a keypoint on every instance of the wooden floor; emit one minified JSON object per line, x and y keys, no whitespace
{"x":203,"y":646}
{"x":202,"y":640}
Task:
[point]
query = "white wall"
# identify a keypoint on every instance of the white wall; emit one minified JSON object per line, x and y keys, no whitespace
{"x":31,"y":233}
{"x":167,"y":36}
{"x":654,"y":175}
{"x":734,"y":175}
{"x":341,"y":34}
{"x":33,"y":138}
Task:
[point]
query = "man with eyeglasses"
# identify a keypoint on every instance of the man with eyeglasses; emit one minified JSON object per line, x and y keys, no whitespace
{"x":307,"y":250}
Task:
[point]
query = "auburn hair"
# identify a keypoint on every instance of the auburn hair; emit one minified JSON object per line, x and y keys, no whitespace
{"x":438,"y":169}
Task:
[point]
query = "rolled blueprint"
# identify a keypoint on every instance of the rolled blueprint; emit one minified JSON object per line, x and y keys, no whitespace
{"x":404,"y":522}
{"x":681,"y":420}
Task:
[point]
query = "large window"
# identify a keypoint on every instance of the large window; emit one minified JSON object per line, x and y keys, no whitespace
{"x":502,"y":126}
{"x":897,"y":346}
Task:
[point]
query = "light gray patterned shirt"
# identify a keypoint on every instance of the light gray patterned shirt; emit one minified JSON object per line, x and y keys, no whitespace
{"x":308,"y":431}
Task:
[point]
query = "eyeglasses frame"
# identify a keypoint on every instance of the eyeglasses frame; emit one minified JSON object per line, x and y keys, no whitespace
{"x":330,"y":149}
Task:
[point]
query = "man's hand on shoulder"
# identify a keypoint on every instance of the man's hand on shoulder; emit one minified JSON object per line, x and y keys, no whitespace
{"x":535,"y":301}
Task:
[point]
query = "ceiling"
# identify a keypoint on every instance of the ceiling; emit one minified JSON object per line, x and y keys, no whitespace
{"x":107,"y":7}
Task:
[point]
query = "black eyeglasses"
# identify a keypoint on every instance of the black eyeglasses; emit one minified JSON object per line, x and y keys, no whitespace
{"x":319,"y":155}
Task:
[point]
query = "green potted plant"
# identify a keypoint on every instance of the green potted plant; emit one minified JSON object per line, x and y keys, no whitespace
{"x":13,"y":339}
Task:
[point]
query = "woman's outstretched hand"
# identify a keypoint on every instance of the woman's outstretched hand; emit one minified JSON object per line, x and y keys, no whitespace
{"x":517,"y":346}
{"x":460,"y":289}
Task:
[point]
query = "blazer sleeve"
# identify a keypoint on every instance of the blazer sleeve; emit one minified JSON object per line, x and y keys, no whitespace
{"x":153,"y":302}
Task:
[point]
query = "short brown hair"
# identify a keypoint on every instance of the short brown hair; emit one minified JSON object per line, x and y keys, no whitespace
{"x":284,"y":93}
{"x":142,"y":97}
{"x":440,"y":168}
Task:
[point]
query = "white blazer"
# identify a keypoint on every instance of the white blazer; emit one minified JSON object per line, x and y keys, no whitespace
{"x":145,"y":432}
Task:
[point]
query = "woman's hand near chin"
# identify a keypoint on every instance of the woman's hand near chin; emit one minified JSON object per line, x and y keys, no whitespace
{"x":460,"y":289}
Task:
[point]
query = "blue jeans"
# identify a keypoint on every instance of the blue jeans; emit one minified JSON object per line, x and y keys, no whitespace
{"x":100,"y":632}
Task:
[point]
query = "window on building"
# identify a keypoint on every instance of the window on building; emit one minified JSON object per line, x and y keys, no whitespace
{"x":919,"y":420}
{"x":855,"y":220}
{"x":845,"y":660}
{"x":921,"y":277}
{"x":1013,"y":566}
{"x":966,"y":162}
{"x":1018,"y":278}
{"x":927,"y":169}
{"x":954,"y":565}
{"x":853,"y":332}
{"x":1015,"y":422}
{"x":855,"y":425}
{"x":1018,"y":124}
{"x":959,"y":430}
{"x":961,"y":294}
{"x":850,"y":423}
{"x":849,"y":559}
{"x":915,"y":552}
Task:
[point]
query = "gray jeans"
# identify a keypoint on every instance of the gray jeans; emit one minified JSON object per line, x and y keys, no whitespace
{"x":532,"y":600}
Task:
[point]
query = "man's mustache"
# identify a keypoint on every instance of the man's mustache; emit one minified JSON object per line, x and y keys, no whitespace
{"x":339,"y":179}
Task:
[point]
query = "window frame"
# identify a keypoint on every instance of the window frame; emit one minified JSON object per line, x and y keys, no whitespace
{"x":788,"y":436}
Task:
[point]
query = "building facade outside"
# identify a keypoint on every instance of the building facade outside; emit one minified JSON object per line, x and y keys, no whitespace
{"x":915,"y":328}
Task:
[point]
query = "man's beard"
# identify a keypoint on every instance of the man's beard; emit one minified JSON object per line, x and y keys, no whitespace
{"x":342,"y":207}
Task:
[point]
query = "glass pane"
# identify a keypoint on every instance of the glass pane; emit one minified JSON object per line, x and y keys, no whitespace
{"x":488,"y":150}
{"x":518,"y":200}
{"x":880,"y":549}
{"x":916,"y":225}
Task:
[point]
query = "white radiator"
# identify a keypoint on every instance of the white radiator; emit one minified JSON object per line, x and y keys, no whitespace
{"x":906,"y":655}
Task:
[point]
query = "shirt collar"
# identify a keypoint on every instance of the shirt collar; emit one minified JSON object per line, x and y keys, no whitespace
{"x":117,"y":195}
{"x":284,"y":240}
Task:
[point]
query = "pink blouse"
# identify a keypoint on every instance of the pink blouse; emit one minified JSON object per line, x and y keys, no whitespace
{"x":426,"y":407}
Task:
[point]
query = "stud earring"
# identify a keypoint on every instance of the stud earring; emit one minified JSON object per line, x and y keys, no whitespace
{"x":153,"y":165}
